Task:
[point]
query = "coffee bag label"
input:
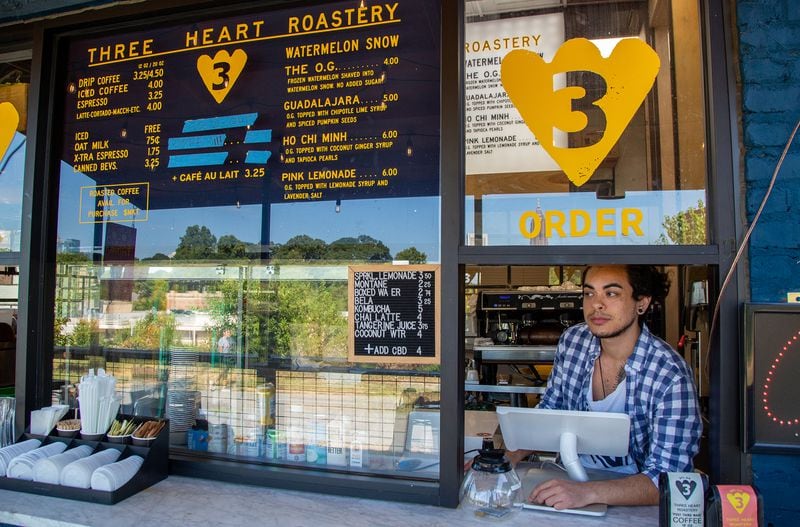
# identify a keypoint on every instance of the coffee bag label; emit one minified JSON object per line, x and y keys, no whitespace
{"x":686,"y":499}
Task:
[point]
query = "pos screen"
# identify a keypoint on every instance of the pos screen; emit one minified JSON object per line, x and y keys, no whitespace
{"x":568,"y":432}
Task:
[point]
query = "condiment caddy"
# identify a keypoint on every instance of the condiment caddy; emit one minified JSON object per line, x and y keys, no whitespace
{"x":154,"y":467}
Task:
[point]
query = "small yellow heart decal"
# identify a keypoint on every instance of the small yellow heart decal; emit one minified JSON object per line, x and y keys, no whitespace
{"x":629,"y":73}
{"x":738,"y":499}
{"x":9,"y":120}
{"x":219,"y":74}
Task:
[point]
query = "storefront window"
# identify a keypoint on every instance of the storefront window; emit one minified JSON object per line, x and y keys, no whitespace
{"x":515,"y":315}
{"x":217,"y":180}
{"x":585,"y":124}
{"x":9,"y":309}
{"x":14,"y":82}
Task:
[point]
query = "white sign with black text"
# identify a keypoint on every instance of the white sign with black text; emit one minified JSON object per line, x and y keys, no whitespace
{"x":497,"y":138}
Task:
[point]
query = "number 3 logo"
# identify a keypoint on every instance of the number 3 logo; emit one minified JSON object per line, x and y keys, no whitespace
{"x":738,"y":499}
{"x":222,"y":69}
{"x":219,"y":73}
{"x":621,"y":83}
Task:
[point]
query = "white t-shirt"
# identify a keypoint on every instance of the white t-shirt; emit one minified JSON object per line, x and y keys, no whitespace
{"x":224,"y":345}
{"x":614,"y":402}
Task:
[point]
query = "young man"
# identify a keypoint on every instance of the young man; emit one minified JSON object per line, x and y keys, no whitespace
{"x":224,"y":343}
{"x":226,"y":358}
{"x":612,"y":363}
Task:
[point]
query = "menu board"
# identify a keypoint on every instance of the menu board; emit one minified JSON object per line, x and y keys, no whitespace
{"x":394,"y":314}
{"x":324,"y":102}
{"x":497,"y":140}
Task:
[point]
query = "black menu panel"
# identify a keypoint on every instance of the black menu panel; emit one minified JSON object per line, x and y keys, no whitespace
{"x":325,"y":102}
{"x":393,"y":314}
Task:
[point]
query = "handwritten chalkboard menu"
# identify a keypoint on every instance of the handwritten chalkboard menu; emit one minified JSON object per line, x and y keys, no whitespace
{"x":394,"y":313}
{"x":324,"y":102}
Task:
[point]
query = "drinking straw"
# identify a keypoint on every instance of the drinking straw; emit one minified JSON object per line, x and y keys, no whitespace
{"x":7,"y":410}
{"x":98,"y":402}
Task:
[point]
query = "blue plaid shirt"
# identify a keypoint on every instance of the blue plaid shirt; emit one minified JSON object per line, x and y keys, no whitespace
{"x":661,"y":399}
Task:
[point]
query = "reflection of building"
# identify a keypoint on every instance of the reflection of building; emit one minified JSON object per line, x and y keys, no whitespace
{"x":9,"y":240}
{"x":190,"y":300}
{"x":69,"y":245}
{"x":540,"y":238}
{"x":472,"y":239}
{"x":192,"y":328}
{"x":78,"y":290}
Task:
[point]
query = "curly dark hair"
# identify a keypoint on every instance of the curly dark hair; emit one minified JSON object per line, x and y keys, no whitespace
{"x":646,"y":280}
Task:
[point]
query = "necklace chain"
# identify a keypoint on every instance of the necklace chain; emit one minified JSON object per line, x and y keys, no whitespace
{"x":602,"y":377}
{"x":620,"y":376}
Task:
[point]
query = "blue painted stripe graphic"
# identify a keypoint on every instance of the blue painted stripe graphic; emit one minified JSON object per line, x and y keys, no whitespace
{"x":219,"y":123}
{"x":258,"y":136}
{"x":197,"y":160}
{"x":259,"y":157}
{"x":198,"y":141}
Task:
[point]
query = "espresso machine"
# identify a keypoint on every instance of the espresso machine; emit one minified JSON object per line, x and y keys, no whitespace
{"x":524,"y":327}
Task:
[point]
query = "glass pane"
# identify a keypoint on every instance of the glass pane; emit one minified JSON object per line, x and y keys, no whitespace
{"x":515,"y":316}
{"x":9,"y":307}
{"x":585,"y":124}
{"x":205,"y":231}
{"x":14,"y":82}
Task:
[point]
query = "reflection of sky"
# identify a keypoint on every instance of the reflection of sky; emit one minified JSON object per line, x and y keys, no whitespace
{"x":12,"y":167}
{"x":501,"y":214}
{"x":399,"y":223}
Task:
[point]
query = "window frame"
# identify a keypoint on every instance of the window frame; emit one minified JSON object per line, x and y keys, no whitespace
{"x":723,"y":191}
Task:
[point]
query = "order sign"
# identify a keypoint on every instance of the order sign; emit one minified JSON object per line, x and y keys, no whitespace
{"x":394,"y":314}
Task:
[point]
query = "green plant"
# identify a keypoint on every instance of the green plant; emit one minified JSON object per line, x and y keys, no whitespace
{"x":687,"y":227}
{"x":60,"y":338}
{"x":413,"y":255}
{"x":155,"y":331}
{"x":82,"y":334}
{"x":284,"y":318}
{"x":151,"y":295}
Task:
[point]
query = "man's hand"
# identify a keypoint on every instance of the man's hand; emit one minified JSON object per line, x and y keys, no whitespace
{"x":563,"y":494}
{"x":637,"y":489}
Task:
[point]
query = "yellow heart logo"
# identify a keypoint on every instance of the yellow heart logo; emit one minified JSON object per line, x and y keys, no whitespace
{"x":628,"y":73}
{"x":738,"y":499}
{"x":9,"y":120}
{"x":219,"y":74}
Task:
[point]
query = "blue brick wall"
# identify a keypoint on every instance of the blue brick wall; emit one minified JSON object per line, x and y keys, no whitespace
{"x":769,"y":54}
